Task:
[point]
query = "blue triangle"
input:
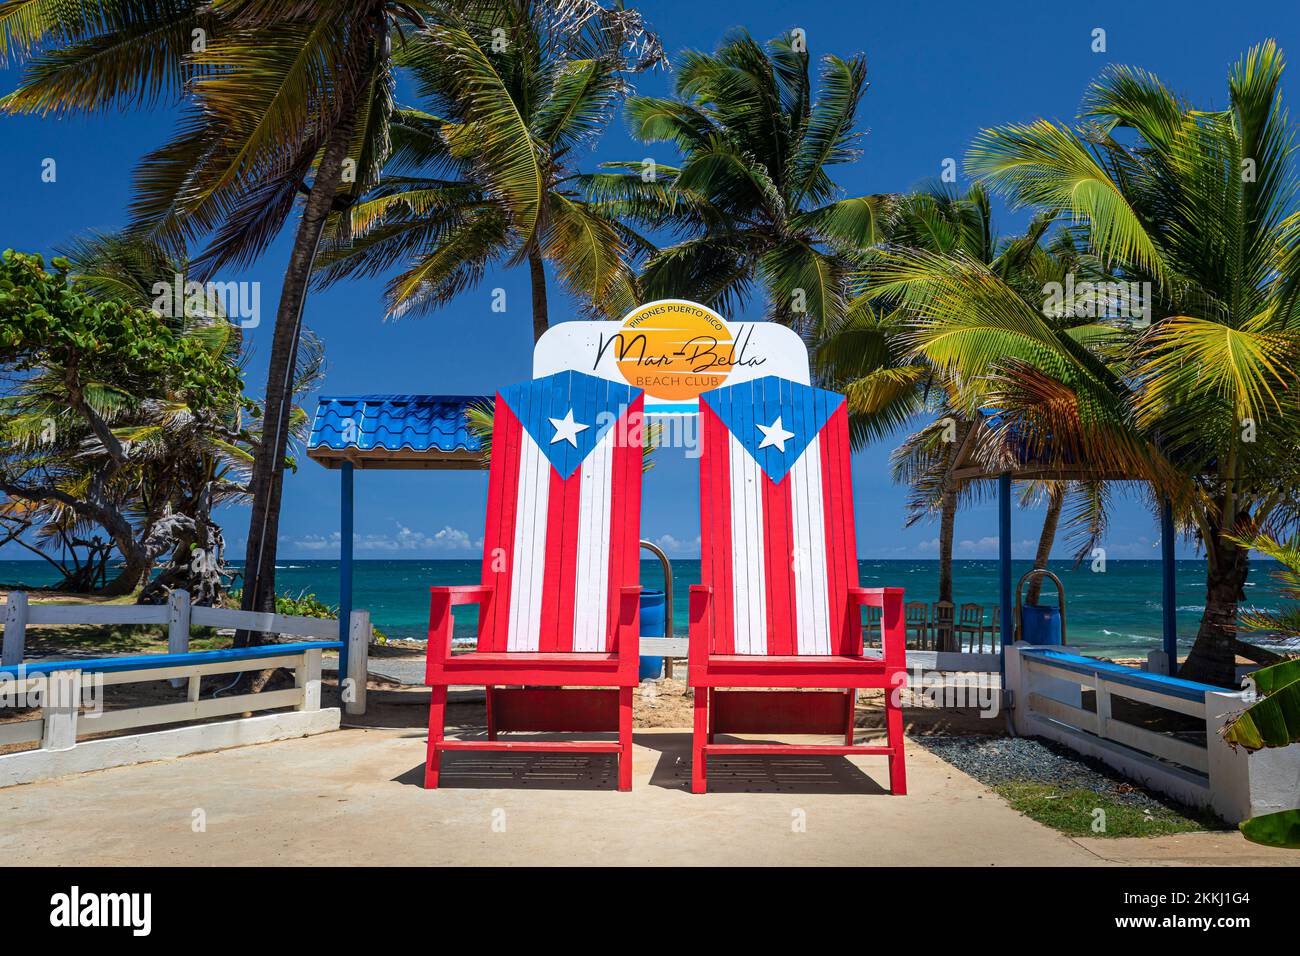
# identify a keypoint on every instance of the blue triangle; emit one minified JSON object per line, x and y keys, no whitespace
{"x":790,"y":413}
{"x":545,"y":405}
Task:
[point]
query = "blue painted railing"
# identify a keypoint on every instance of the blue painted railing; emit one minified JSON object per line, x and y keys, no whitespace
{"x":1119,"y":674}
{"x":139,"y":662}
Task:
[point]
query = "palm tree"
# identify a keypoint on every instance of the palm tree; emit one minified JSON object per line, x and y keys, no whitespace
{"x":111,"y":437}
{"x":281,"y":100}
{"x":1201,"y":206}
{"x":481,"y":174}
{"x":752,"y":202}
{"x":872,"y":357}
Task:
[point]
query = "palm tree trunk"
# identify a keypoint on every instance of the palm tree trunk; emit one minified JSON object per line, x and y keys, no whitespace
{"x":537,"y":273}
{"x":1046,"y":538}
{"x":268,"y":466}
{"x":947,"y":527}
{"x":946,"y":636}
{"x":1214,"y":655}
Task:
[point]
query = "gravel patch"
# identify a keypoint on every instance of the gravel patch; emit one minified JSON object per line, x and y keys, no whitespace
{"x":998,"y":760}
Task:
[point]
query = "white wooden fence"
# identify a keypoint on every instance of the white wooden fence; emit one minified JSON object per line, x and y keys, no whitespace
{"x":1047,"y":687}
{"x":69,"y":693}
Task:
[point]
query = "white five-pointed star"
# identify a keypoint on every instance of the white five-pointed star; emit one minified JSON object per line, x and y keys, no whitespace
{"x":774,"y":434}
{"x":566,"y":429}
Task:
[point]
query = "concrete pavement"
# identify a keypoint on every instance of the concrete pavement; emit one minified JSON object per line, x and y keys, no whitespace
{"x":354,"y":797}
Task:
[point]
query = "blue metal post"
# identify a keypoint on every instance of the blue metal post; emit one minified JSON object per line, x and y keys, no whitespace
{"x":1168,"y":597}
{"x":345,"y":565}
{"x":1004,"y":556}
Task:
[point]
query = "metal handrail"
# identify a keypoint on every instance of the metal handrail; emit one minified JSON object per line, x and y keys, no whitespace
{"x":1060,"y":599}
{"x":658,"y":552}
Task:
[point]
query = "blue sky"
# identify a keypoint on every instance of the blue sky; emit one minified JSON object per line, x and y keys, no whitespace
{"x":939,"y":72}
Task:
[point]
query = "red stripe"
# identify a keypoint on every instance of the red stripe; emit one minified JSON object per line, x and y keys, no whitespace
{"x":778,"y":561}
{"x":625,"y":513}
{"x":841,"y":539}
{"x":715,"y":526}
{"x":499,"y":534}
{"x":561,"y":563}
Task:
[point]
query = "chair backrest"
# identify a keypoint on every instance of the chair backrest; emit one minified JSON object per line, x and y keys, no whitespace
{"x":972,"y":614}
{"x":776,"y":502}
{"x":564,"y":513}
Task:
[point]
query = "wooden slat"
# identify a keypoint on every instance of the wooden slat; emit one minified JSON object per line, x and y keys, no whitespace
{"x":98,"y":614}
{"x":1162,"y":745}
{"x":554,"y":709}
{"x":10,"y":689}
{"x":22,"y":732}
{"x":112,"y":720}
{"x":1157,"y":699}
{"x":665,"y":646}
{"x":325,"y":629}
{"x":1065,"y":713}
{"x":533,"y":746}
{"x":795,"y":749}
{"x":200,"y":670}
{"x":778,"y":711}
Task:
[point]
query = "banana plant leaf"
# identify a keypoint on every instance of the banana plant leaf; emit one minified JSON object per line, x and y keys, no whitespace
{"x":1269,"y":680}
{"x":1281,"y":829}
{"x":1273,"y":721}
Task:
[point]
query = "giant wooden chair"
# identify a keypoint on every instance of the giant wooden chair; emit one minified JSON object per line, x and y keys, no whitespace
{"x":780,"y":606}
{"x":559,"y":599}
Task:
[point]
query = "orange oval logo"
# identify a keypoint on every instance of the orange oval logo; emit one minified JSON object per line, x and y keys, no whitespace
{"x":674,"y":350}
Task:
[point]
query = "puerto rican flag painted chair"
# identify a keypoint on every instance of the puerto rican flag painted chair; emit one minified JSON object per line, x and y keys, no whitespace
{"x":560,"y":595}
{"x":780,"y":606}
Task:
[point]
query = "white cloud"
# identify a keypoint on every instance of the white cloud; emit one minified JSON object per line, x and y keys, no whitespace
{"x":448,"y":539}
{"x":679,"y":548}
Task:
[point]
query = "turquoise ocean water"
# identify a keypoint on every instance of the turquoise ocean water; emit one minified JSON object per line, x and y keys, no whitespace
{"x":1114,"y":613}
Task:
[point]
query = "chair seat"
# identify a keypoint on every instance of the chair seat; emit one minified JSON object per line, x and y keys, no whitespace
{"x":805,"y":670}
{"x":533,"y":657}
{"x":816,"y":660}
{"x":544,"y":668}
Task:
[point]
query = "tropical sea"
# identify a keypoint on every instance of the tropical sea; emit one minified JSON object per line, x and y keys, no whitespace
{"x":1115,"y":613}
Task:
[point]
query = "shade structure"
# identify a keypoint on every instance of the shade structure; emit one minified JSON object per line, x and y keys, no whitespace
{"x":1027,"y":460}
{"x":397,"y":432}
{"x":388,"y":432}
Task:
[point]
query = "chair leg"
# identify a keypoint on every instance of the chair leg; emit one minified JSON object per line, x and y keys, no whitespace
{"x":894,"y":728}
{"x":625,"y":739}
{"x":437,"y":713}
{"x":491,"y":721}
{"x":713,"y":722}
{"x":698,"y":782}
{"x":851,"y":705}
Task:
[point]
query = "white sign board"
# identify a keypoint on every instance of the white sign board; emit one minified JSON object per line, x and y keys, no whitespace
{"x":673,"y":350}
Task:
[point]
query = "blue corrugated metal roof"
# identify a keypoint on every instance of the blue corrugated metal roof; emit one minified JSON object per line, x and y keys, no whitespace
{"x":421,"y":423}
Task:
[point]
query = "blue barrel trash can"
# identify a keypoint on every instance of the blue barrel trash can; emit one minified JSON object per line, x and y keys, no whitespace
{"x":1040,"y":624}
{"x":652,"y":625}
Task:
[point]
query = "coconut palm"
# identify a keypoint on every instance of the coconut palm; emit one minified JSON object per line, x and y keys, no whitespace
{"x":873,"y":359}
{"x":1201,"y":206}
{"x":282,"y":101}
{"x":752,"y":203}
{"x":481,"y":173}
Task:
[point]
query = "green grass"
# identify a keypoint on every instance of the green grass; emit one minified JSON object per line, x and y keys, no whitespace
{"x":109,"y":640}
{"x":1072,"y":811}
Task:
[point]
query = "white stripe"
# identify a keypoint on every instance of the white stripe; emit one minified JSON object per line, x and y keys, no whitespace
{"x":529,"y":548}
{"x":811,"y":583}
{"x":591,"y":585}
{"x":749,"y":594}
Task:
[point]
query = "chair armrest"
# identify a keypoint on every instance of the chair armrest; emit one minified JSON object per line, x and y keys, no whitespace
{"x":441,"y":601}
{"x":465,"y":593}
{"x":627,"y":640}
{"x":893,"y":633}
{"x":700,"y":616}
